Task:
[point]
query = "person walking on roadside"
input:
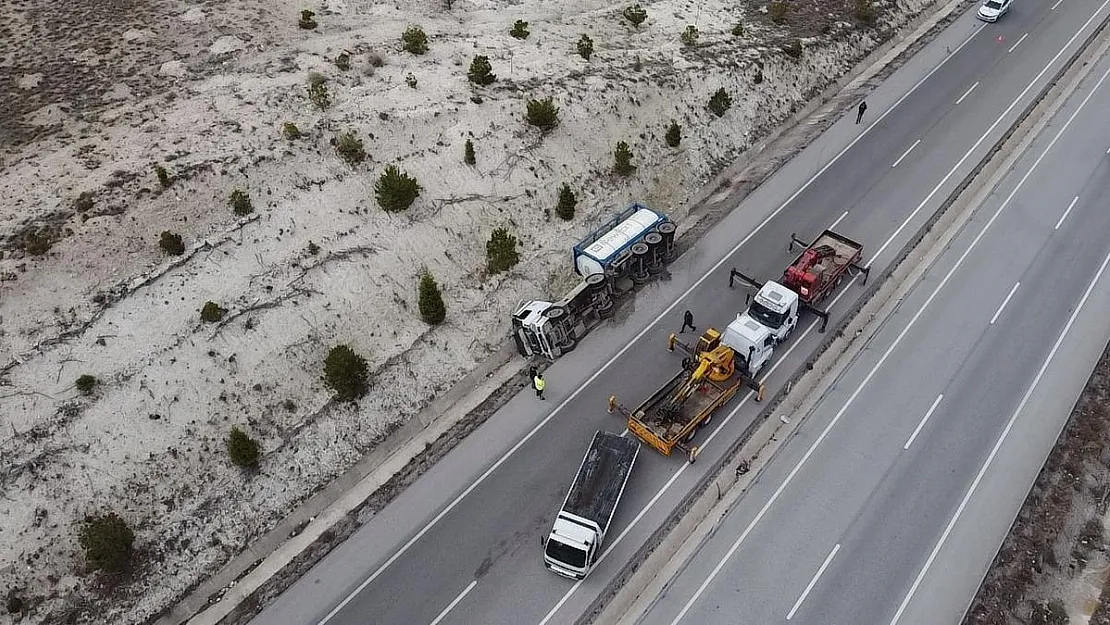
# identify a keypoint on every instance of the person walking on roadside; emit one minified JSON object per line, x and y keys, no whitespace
{"x":859,"y":113}
{"x":538,"y":383}
{"x":688,"y":322}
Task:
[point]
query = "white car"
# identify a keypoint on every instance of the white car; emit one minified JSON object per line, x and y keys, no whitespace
{"x":993,"y":9}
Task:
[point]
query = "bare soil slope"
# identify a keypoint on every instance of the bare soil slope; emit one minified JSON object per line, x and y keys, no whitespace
{"x":96,"y":92}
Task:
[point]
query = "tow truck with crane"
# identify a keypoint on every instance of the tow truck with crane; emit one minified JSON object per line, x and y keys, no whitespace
{"x":805,"y":283}
{"x":712,"y":372}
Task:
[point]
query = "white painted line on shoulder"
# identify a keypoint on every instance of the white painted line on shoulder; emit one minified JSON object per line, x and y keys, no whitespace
{"x":813,"y":582}
{"x":906,"y":153}
{"x":1014,"y":47}
{"x":454,"y":603}
{"x":994,"y":125}
{"x":1002,"y":306}
{"x":838,"y":220}
{"x":1024,"y":400}
{"x":1056,"y":5}
{"x":928,"y":413}
{"x":585,"y":384}
{"x":882,"y":360}
{"x":967,"y":93}
{"x":1065,"y":215}
{"x":997,"y":445}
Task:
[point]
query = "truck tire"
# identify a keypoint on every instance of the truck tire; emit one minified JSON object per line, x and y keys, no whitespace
{"x":706,"y":421}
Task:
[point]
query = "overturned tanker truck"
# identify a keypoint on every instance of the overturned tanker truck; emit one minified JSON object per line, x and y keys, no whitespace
{"x":623,"y":253}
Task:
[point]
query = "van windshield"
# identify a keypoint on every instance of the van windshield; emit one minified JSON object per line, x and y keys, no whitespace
{"x":572,"y":557}
{"x":766,"y":316}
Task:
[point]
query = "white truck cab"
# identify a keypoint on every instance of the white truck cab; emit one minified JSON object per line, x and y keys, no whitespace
{"x":753,"y":342}
{"x":775,"y":307}
{"x":571,"y":548}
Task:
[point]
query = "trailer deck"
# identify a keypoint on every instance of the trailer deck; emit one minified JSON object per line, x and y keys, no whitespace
{"x":597,"y":486}
{"x":665,"y":432}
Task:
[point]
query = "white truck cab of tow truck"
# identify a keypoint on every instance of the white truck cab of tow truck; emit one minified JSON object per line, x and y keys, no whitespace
{"x":776,"y":308}
{"x":752,"y":342}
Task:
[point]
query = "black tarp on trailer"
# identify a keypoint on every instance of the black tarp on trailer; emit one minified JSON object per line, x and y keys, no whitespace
{"x":601,"y":478}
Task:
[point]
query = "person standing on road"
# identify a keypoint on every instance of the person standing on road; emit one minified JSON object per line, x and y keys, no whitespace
{"x":688,"y":322}
{"x":862,"y":109}
{"x":538,"y":383}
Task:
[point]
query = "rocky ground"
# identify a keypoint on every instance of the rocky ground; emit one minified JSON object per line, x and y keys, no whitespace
{"x":1052,"y":568}
{"x":97,"y":92}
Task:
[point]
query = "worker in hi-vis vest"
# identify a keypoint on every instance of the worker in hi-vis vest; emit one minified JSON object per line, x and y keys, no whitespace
{"x":538,"y":383}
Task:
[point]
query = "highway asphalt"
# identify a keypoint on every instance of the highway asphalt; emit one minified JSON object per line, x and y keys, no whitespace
{"x":842,"y":527}
{"x":461,"y":545}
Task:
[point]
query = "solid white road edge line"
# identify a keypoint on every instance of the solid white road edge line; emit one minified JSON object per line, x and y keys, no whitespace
{"x":1014,"y":47}
{"x":724,"y":422}
{"x":812,"y":582}
{"x":1028,"y":393}
{"x":997,"y":445}
{"x":870,"y":374}
{"x":451,"y":506}
{"x":921,"y":424}
{"x":1070,"y":206}
{"x":454,"y":603}
{"x":906,"y":153}
{"x":1004,"y":302}
{"x":997,"y":121}
{"x":1056,"y":5}
{"x":967,"y":93}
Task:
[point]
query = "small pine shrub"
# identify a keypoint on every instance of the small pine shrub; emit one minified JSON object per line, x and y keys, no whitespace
{"x":211,"y":312}
{"x":543,"y":113}
{"x":290,"y":131}
{"x":738,"y":29}
{"x":690,"y":35}
{"x":622,"y":159}
{"x":468,"y":153}
{"x":865,"y":12}
{"x":432,"y":310}
{"x":163,"y":175}
{"x":84,"y":202}
{"x":318,"y":90}
{"x":585,"y":47}
{"x":243,"y":450}
{"x":567,"y":202}
{"x":481,"y":72}
{"x":313,"y":249}
{"x":38,"y":242}
{"x":758,"y":78}
{"x":635,"y":14}
{"x":307,"y":23}
{"x":414,"y":40}
{"x":343,"y":61}
{"x":501,"y":252}
{"x":720,"y":102}
{"x":108,"y":543}
{"x":520,"y":29}
{"x":375,"y":59}
{"x":674,"y":134}
{"x":793,"y":49}
{"x":778,"y":11}
{"x":395,"y":190}
{"x":410,"y":80}
{"x":240,"y":202}
{"x":349,"y":147}
{"x":345,"y":372}
{"x":86,"y":383}
{"x":14,"y":603}
{"x":171,"y":243}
